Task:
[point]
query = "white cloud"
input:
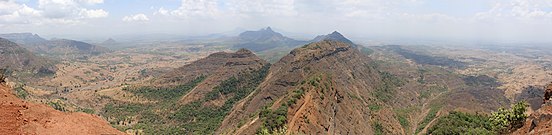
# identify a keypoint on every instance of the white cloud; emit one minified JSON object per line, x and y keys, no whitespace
{"x":92,"y":1}
{"x":161,"y":11}
{"x":521,"y":10}
{"x":49,"y":11}
{"x":193,"y":8}
{"x":136,"y":18}
{"x":263,"y":7}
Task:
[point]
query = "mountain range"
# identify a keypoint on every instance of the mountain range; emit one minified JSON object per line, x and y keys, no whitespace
{"x":64,"y":48}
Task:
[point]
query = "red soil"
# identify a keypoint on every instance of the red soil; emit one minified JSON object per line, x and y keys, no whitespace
{"x":21,"y":117}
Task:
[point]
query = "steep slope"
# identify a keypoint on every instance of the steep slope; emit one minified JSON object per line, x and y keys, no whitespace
{"x":322,"y":87}
{"x":264,"y":39}
{"x":21,"y":117}
{"x":16,"y":58}
{"x":540,"y":121}
{"x":193,"y":99}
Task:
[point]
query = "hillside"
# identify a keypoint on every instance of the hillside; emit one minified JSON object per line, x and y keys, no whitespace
{"x":22,"y":117}
{"x":313,"y":88}
{"x":538,"y":123}
{"x":16,"y":58}
{"x":192,"y":99}
{"x":264,"y":39}
{"x":335,"y":87}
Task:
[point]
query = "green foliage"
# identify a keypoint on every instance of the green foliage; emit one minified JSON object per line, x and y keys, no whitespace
{"x":507,"y":119}
{"x":499,"y":122}
{"x":374,"y":107}
{"x":21,"y":93}
{"x":403,"y":121}
{"x":273,"y":120}
{"x":167,"y":116}
{"x":280,"y":131}
{"x":87,"y":110}
{"x":428,"y":118}
{"x":296,"y":95}
{"x":166,"y":93}
{"x":378,"y":128}
{"x":457,"y":123}
{"x":57,"y":105}
{"x":385,"y":91}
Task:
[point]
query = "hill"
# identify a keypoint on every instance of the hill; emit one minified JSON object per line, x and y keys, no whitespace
{"x":63,"y":48}
{"x":335,"y":36}
{"x":193,"y":99}
{"x":66,"y":47}
{"x":312,"y":89}
{"x":264,"y":39}
{"x":22,"y":117}
{"x":24,"y":38}
{"x":15,"y":58}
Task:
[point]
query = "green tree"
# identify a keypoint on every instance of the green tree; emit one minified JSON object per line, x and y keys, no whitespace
{"x":505,"y":120}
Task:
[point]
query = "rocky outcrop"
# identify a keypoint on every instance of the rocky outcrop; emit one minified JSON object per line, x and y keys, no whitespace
{"x":540,"y":121}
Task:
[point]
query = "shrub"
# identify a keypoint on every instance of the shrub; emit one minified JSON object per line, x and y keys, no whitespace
{"x":459,"y":123}
{"x":505,"y":120}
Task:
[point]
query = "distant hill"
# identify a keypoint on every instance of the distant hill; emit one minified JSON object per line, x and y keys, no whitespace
{"x":264,"y":39}
{"x":24,"y":38}
{"x":64,"y":48}
{"x":16,"y":58}
{"x":335,"y":36}
{"x":109,"y":41}
{"x":72,"y":47}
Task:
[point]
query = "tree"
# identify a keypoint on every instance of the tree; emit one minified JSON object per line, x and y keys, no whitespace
{"x":505,"y":120}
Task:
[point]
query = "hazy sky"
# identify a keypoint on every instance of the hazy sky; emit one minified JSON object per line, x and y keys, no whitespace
{"x":489,"y":20}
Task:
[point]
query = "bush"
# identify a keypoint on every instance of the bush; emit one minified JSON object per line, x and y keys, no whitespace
{"x":461,"y":123}
{"x":505,"y":120}
{"x":500,"y":122}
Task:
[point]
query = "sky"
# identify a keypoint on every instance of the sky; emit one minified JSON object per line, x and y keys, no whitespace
{"x":471,"y":20}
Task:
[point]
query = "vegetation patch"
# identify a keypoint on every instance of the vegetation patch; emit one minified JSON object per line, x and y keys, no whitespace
{"x":386,"y":90}
{"x":428,"y":118}
{"x":167,"y":116}
{"x":21,"y":93}
{"x":502,"y":121}
{"x":378,"y":128}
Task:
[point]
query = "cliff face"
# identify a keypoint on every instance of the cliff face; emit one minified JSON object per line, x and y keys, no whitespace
{"x":325,"y":87}
{"x":540,"y":121}
{"x":21,"y":117}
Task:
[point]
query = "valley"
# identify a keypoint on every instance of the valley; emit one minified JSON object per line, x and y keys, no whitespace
{"x":327,"y":85}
